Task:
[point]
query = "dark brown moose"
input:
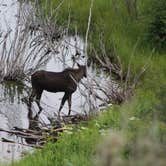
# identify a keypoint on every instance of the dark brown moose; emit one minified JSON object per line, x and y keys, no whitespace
{"x":65,"y":81}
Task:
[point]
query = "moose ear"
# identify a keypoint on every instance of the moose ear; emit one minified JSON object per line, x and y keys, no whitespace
{"x":78,"y":64}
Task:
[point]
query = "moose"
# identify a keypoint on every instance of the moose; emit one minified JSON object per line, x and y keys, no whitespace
{"x":65,"y":81}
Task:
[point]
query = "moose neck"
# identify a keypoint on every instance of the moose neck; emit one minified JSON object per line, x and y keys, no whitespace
{"x":77,"y":75}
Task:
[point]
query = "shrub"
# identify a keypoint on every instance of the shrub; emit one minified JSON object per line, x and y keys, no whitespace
{"x":157,"y":26}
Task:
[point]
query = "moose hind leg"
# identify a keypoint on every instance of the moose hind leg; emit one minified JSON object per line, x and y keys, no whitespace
{"x":65,"y":97}
{"x":29,"y":103}
{"x":38,"y":97}
{"x":33,"y":94}
{"x":69,"y":103}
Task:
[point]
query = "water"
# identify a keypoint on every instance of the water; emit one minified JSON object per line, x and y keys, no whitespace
{"x":13,"y":112}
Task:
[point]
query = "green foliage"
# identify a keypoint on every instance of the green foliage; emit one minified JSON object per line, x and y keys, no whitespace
{"x":157,"y":27}
{"x":161,"y":105}
{"x":110,"y":21}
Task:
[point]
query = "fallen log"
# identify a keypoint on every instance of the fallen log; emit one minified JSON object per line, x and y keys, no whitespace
{"x":13,"y":142}
{"x":21,"y":134}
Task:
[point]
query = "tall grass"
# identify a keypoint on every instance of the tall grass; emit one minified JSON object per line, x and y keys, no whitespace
{"x":110,"y":20}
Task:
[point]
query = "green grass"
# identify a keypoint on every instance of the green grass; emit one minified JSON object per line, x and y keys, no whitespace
{"x":76,"y":147}
{"x":134,"y":131}
{"x":83,"y":144}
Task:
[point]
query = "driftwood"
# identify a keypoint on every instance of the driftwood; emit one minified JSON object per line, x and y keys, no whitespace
{"x":74,"y":119}
{"x":37,"y":138}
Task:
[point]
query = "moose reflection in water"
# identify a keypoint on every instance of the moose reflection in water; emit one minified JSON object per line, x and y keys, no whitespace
{"x":65,"y":81}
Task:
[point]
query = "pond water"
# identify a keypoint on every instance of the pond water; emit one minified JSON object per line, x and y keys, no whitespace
{"x":13,"y":112}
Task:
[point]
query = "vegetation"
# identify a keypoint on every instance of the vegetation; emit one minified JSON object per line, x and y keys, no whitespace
{"x":157,"y":27}
{"x":135,"y":132}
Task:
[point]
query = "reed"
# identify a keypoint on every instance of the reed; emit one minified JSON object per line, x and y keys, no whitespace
{"x":25,"y":48}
